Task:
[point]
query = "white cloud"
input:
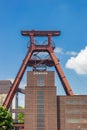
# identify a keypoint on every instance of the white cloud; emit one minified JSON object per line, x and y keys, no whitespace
{"x":12,"y":80}
{"x":78,"y":63}
{"x":58,"y":50}
{"x":73,"y":53}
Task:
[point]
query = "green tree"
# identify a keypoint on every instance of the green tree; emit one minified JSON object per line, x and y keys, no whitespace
{"x":6,"y":121}
{"x":20,"y":116}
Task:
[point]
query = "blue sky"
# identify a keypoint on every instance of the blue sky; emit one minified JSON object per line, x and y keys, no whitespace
{"x":68,"y":16}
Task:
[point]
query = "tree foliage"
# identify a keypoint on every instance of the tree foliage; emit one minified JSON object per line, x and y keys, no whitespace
{"x":20,"y":116}
{"x":6,"y":121}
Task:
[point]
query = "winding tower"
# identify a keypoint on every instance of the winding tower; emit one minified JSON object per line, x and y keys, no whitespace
{"x":35,"y":95}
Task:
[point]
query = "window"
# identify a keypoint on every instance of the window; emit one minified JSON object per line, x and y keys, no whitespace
{"x":40,"y":124}
{"x":40,"y":106}
{"x":72,"y":102}
{"x":40,"y":80}
{"x":73,"y":111}
{"x":39,"y":110}
{"x":40,"y":97}
{"x":40,"y":93}
{"x":72,"y":128}
{"x":69,"y":120}
{"x":79,"y":120}
{"x":40,"y":102}
{"x":77,"y":102}
{"x":40,"y":119}
{"x":78,"y":128}
{"x":76,"y":111}
{"x":40,"y":128}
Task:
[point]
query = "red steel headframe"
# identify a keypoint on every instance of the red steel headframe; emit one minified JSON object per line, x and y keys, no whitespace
{"x":38,"y":48}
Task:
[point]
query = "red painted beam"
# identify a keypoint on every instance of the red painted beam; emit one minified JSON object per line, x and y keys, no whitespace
{"x":40,"y":33}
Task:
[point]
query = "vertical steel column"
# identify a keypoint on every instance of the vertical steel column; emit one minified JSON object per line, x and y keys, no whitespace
{"x":31,"y":38}
{"x":49,"y":39}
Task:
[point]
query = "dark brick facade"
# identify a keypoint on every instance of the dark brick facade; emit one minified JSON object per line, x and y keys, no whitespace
{"x":5,"y":86}
{"x":72,"y":112}
{"x":40,"y":101}
{"x":44,"y":110}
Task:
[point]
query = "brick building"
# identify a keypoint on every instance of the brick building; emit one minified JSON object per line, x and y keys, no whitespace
{"x":44,"y":110}
{"x":5,"y":86}
{"x":40,"y":101}
{"x":72,"y":112}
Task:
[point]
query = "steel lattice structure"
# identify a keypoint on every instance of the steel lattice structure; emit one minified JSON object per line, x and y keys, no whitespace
{"x":29,"y":62}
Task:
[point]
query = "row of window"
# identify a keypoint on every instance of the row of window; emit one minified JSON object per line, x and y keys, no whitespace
{"x":79,"y":120}
{"x":40,"y":93}
{"x":72,"y":128}
{"x":78,"y":128}
{"x":77,"y":102}
{"x":40,"y":128}
{"x":40,"y":106}
{"x":40,"y":80}
{"x":40,"y":97}
{"x":40,"y":110}
{"x":76,"y":111}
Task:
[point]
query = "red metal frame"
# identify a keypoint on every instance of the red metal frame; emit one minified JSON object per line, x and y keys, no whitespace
{"x":38,"y":48}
